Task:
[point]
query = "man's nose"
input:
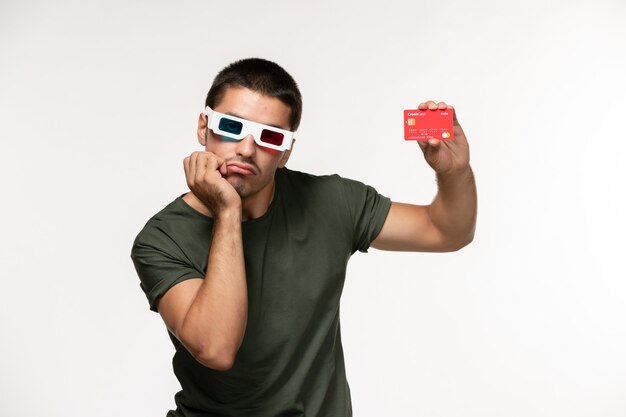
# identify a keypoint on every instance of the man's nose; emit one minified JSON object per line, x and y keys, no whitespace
{"x":246,"y":147}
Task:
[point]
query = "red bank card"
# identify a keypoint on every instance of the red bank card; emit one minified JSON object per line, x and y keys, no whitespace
{"x":429,"y":124}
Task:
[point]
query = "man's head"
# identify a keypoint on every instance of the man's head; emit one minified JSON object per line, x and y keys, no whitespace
{"x":261,"y":76}
{"x":262,"y":92}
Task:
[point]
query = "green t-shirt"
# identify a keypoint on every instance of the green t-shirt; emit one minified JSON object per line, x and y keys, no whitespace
{"x":291,"y":360}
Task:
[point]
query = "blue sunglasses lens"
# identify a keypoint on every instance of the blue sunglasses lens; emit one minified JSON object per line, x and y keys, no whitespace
{"x":230,"y":126}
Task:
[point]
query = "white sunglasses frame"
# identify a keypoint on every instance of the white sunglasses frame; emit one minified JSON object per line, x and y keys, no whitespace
{"x":248,"y":128}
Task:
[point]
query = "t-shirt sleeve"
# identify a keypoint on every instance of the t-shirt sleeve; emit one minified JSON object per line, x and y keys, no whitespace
{"x":368,"y":210}
{"x":160,"y":263}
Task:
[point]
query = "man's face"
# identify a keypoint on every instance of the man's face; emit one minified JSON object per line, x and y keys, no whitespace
{"x":251,"y":167}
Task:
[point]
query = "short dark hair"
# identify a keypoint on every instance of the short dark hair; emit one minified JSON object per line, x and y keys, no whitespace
{"x":261,"y":76}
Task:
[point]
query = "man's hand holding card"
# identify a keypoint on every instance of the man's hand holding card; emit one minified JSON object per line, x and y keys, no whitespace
{"x":439,"y":135}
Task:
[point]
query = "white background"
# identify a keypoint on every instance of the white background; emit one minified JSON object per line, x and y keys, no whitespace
{"x":98,"y":107}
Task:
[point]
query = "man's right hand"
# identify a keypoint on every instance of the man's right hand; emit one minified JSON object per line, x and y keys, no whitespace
{"x":205,"y":173}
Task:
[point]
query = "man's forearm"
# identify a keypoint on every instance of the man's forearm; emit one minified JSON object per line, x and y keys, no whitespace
{"x":216,"y":320}
{"x":453,"y":211}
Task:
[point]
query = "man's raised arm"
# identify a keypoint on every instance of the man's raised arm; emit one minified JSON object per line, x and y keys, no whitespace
{"x":448,"y":223}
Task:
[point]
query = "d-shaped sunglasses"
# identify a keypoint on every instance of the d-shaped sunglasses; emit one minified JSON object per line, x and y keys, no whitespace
{"x":235,"y":128}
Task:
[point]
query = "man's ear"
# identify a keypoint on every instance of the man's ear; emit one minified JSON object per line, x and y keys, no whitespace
{"x":286,"y":155}
{"x":202,"y":129}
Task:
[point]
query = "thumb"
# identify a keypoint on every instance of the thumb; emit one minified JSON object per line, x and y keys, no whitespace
{"x":431,"y":151}
{"x":429,"y":146}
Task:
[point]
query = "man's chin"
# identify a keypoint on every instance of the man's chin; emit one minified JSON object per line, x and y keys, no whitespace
{"x":242,"y":189}
{"x":243,"y":192}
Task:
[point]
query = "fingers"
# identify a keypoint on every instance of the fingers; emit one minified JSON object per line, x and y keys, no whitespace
{"x":207,"y":166}
{"x":424,"y":144}
{"x":430,"y":144}
{"x":186,"y":166}
{"x":431,"y":105}
{"x":189,"y":170}
{"x":200,"y":166}
{"x":200,"y":163}
{"x":455,"y":120}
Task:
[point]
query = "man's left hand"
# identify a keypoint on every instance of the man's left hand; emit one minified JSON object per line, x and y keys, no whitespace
{"x":446,"y":156}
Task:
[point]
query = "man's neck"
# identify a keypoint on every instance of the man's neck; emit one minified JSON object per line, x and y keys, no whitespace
{"x":256,"y":205}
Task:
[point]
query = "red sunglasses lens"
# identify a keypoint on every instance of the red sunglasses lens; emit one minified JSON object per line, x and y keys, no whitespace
{"x":272,"y":138}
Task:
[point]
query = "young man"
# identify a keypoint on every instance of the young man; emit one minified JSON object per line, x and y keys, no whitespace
{"x":247,"y":269}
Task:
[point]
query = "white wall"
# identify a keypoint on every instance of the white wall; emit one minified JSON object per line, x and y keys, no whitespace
{"x":98,"y":105}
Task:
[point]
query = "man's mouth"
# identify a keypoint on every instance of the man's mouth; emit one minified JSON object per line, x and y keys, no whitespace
{"x":241,"y":168}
